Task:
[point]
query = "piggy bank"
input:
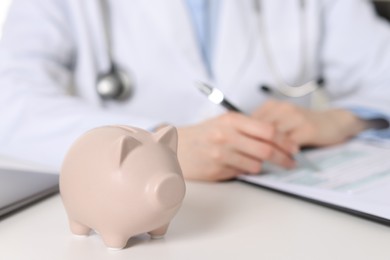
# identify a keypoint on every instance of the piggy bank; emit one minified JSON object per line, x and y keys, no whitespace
{"x":122,"y":181}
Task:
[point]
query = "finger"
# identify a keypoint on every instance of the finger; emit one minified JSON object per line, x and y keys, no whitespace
{"x":260,"y":132}
{"x":281,"y":112}
{"x":277,"y":150}
{"x":225,"y":173}
{"x":243,"y":163}
{"x":291,"y":124}
{"x":302,"y":137}
{"x":282,"y":159}
{"x":290,"y":118}
{"x":285,"y":143}
{"x":269,"y":153}
{"x":286,"y":117}
{"x":265,"y":109}
{"x":273,"y":115}
{"x":252,"y":152}
{"x":250,"y":126}
{"x":259,"y":149}
{"x":281,"y":151}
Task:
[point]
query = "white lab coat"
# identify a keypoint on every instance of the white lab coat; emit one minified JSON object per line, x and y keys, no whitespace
{"x":53,"y":50}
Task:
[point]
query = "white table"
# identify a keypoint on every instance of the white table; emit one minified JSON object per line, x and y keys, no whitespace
{"x":229,"y":220}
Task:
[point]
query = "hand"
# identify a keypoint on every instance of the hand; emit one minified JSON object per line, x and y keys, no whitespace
{"x":310,"y":128}
{"x":226,"y":146}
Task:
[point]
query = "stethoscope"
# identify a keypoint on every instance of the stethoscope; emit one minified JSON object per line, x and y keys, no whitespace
{"x":281,"y":86}
{"x":115,"y":84}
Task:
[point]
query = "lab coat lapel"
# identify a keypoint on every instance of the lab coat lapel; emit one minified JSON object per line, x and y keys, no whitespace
{"x":234,"y":42}
{"x":173,"y":23}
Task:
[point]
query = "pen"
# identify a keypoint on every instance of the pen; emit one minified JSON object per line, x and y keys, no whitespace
{"x":217,"y":97}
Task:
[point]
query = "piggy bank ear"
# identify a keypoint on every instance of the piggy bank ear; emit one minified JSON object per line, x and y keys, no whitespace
{"x":167,"y":136}
{"x":123,"y":146}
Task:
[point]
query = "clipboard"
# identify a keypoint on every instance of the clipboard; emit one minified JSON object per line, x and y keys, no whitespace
{"x":20,"y":188}
{"x":366,"y":195}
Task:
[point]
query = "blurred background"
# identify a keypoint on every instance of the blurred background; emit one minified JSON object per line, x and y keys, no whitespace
{"x":4,"y":4}
{"x":382,"y":7}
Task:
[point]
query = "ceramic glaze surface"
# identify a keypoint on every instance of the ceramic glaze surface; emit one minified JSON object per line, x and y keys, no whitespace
{"x":122,"y":181}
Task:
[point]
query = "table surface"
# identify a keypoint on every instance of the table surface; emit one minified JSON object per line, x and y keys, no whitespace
{"x":229,"y":220}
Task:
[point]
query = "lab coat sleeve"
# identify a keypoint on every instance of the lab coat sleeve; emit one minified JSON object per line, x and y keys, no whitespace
{"x":39,"y":119}
{"x":381,"y":135}
{"x":355,"y":56}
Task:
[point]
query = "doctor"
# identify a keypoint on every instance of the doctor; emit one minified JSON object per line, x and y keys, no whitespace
{"x":55,"y":56}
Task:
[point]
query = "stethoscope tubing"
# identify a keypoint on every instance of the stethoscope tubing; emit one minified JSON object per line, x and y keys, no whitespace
{"x":125,"y":87}
{"x":281,"y":85}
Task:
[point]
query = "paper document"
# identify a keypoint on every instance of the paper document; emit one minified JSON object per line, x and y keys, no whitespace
{"x":355,"y":175}
{"x":348,"y":168}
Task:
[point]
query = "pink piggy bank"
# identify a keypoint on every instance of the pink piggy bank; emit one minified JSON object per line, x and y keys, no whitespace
{"x":122,"y":181}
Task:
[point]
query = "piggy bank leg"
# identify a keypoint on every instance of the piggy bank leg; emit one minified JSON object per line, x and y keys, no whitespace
{"x":78,"y":229}
{"x":159,"y":232}
{"x":114,"y":242}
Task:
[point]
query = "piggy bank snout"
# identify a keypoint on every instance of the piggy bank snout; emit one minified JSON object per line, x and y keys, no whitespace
{"x":167,"y":190}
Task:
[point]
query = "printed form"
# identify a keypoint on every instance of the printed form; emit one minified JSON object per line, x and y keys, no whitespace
{"x":354,"y":176}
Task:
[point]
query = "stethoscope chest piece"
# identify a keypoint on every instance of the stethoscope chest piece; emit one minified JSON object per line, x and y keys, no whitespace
{"x":115,"y":85}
